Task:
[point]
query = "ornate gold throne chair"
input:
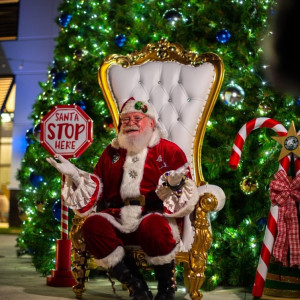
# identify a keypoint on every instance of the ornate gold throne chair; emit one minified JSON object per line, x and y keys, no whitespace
{"x":183,"y":87}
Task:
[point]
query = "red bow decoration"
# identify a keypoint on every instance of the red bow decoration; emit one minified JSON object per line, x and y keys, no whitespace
{"x":285,"y":194}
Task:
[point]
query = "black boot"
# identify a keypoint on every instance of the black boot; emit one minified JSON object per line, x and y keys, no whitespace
{"x":130,"y":262}
{"x":165,"y":275}
{"x":135,"y":286}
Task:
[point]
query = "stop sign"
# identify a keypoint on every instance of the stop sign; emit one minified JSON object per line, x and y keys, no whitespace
{"x":66,"y":130}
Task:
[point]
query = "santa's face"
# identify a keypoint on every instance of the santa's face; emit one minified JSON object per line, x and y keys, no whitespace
{"x":135,"y":131}
{"x":134,"y":124}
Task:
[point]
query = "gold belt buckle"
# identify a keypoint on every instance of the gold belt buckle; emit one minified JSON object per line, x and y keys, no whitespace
{"x":140,"y":199}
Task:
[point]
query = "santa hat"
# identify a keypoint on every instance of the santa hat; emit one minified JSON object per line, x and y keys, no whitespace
{"x":131,"y":105}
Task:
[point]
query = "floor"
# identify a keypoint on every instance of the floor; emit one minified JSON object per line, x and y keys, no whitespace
{"x":20,"y":281}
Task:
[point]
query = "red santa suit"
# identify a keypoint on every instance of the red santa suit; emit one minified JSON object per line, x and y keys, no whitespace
{"x":116,"y":186}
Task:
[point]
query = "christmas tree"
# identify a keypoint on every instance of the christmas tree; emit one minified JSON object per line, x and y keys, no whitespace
{"x":235,"y":30}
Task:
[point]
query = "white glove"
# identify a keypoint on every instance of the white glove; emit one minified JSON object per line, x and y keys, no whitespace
{"x":65,"y":168}
{"x":175,"y":177}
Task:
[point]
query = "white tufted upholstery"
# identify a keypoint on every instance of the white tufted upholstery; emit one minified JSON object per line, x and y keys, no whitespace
{"x":177,"y":91}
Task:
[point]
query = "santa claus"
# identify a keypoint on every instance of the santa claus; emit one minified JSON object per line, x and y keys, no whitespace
{"x":142,"y":188}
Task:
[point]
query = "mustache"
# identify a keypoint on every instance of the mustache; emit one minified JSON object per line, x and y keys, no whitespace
{"x":131,"y":127}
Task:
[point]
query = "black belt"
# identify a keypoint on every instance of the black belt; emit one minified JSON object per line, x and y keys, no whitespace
{"x":140,"y":201}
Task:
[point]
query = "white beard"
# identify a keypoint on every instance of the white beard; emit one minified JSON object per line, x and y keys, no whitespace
{"x":135,"y":144}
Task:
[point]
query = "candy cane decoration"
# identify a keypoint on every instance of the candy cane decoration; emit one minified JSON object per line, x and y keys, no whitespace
{"x":64,"y":215}
{"x":246,"y":130}
{"x":271,"y":228}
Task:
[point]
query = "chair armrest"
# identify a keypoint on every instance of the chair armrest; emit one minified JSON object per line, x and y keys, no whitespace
{"x":215,"y":191}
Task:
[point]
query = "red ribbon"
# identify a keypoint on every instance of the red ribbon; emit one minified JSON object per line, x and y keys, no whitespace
{"x":285,"y":194}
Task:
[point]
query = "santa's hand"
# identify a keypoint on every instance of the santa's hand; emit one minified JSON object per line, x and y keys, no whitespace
{"x":175,"y":178}
{"x":65,"y":168}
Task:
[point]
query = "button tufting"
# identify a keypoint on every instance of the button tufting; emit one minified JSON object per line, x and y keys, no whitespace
{"x":140,"y":82}
{"x":159,"y":82}
{"x":188,"y":99}
{"x":170,"y":100}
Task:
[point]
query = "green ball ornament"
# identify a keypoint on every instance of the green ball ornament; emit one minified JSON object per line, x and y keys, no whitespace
{"x":233,"y":95}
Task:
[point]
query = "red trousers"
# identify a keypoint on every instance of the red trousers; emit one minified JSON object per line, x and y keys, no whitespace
{"x":154,"y":235}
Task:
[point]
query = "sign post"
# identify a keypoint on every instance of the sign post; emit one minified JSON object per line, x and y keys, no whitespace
{"x":66,"y":130}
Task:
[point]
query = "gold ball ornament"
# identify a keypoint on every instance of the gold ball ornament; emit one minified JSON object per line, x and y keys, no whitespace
{"x":264,"y":108}
{"x":22,"y":215}
{"x":249,"y":185}
{"x":40,"y":206}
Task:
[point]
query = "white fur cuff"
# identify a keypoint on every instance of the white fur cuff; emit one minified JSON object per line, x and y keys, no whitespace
{"x":112,"y":259}
{"x":163,"y":259}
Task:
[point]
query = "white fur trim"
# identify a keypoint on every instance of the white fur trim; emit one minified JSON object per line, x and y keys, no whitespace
{"x":216,"y":191}
{"x":129,"y":107}
{"x":112,"y":259}
{"x":115,"y":143}
{"x":131,"y":217}
{"x":174,"y":229}
{"x":154,"y":140}
{"x":133,"y":174}
{"x":163,"y":259}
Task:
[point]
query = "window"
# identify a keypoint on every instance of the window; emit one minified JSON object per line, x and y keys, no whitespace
{"x":9,"y":16}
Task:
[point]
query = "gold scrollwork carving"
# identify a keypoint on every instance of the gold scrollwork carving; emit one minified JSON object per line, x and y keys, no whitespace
{"x":163,"y":50}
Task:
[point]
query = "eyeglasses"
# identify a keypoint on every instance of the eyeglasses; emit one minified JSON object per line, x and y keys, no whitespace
{"x":135,"y":120}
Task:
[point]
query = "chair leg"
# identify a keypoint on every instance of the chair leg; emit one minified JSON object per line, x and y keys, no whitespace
{"x":80,"y":273}
{"x":201,"y":244}
{"x":196,"y":281}
{"x":80,"y":257}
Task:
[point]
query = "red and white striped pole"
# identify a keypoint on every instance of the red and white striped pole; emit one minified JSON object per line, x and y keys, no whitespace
{"x":268,"y":242}
{"x":64,"y":218}
{"x":271,"y":228}
{"x":62,"y":275}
